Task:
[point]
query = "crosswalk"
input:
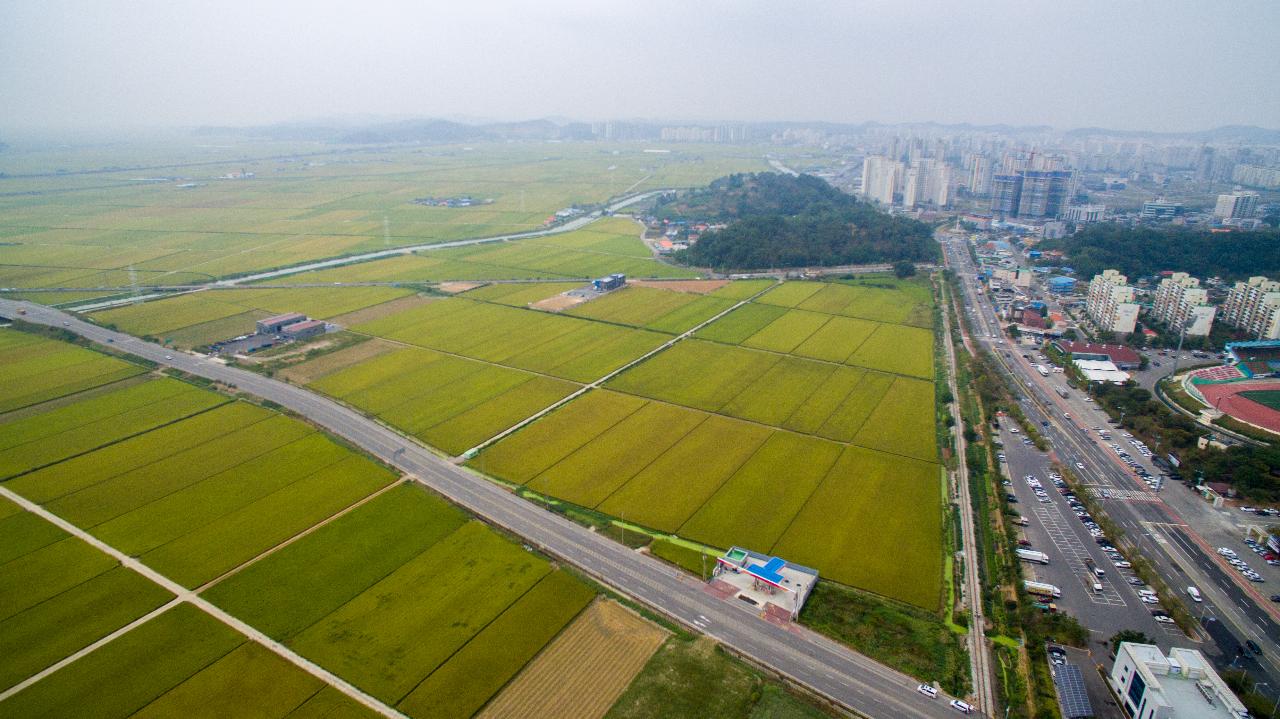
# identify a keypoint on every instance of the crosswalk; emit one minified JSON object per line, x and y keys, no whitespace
{"x":1124,"y":495}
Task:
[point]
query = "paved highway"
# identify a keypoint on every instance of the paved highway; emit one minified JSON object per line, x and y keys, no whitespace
{"x":1148,"y":521}
{"x":826,"y":667}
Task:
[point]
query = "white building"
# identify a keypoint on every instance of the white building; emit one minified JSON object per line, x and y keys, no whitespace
{"x":1180,"y":299}
{"x":880,"y":178}
{"x":1017,"y":277}
{"x":1182,"y":685}
{"x":1110,"y":303}
{"x":1238,"y":204}
{"x":1254,"y":306}
{"x":1085,"y":214}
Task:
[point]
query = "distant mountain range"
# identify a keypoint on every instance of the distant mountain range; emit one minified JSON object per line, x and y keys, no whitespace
{"x":435,"y":130}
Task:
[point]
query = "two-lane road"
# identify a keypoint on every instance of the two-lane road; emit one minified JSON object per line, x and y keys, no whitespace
{"x":826,"y":667}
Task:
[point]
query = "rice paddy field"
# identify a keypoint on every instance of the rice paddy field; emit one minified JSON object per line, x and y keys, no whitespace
{"x":376,"y":580}
{"x":34,"y":369}
{"x":199,"y":220}
{"x":800,"y":411}
{"x":564,"y":347}
{"x":200,"y":318}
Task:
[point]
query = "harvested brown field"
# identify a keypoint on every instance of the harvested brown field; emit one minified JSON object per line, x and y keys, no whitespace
{"x":558,"y":303}
{"x":700,"y":287}
{"x":454,"y":288}
{"x":368,"y":314}
{"x":327,"y":364}
{"x":584,"y":670}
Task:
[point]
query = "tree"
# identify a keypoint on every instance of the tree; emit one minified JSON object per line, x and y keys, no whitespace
{"x":1070,"y":334}
{"x":903,"y":270}
{"x":1013,"y":331}
{"x":1129,"y":635}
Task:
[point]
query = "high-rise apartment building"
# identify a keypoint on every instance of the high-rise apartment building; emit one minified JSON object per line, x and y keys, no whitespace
{"x":880,"y":178}
{"x":1006,"y":190}
{"x":980,"y":175}
{"x":1044,"y":193}
{"x":1238,"y":204}
{"x":1110,"y":303}
{"x":1182,"y":302}
{"x":1254,"y":306}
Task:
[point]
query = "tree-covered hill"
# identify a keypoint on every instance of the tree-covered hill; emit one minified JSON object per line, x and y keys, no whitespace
{"x":1139,"y":251}
{"x":777,"y":220}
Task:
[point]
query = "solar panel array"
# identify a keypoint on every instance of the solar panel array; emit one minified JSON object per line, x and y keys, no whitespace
{"x":1071,"y":694}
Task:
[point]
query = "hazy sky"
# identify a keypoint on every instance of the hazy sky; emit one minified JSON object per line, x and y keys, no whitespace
{"x":1167,"y":65}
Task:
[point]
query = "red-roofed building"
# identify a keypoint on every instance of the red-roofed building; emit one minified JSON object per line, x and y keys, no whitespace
{"x":1119,"y":355}
{"x":1032,"y":319}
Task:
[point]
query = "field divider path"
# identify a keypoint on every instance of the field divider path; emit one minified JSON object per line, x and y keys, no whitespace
{"x":825,"y":667}
{"x":182,"y":594}
{"x":594,"y":385}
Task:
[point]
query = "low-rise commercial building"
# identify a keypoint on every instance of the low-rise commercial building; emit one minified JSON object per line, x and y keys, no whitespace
{"x":1119,"y":355}
{"x":1181,"y":302}
{"x":1110,"y":303}
{"x":1151,"y":685}
{"x":272,"y":325}
{"x":304,"y":330}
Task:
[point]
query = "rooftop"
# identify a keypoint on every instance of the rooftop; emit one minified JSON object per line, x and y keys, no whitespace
{"x":1101,"y":371}
{"x":283,"y":319}
{"x":761,"y":580}
{"x":1186,"y":681}
{"x":1117,"y":353}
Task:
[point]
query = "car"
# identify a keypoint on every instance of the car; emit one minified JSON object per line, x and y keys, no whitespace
{"x":1137,"y":582}
{"x":1163,"y":619}
{"x":1123,"y":564}
{"x":928,"y":690}
{"x":1253,"y":646}
{"x":168,"y":357}
{"x":1013,"y":430}
{"x":66,"y":324}
{"x":1149,"y":600}
{"x":1275,"y":597}
{"x":961,"y":707}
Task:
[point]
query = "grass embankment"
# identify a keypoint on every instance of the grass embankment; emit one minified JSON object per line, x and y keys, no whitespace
{"x":694,"y":678}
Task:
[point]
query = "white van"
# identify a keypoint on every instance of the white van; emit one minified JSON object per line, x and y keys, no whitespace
{"x":1194,"y":594}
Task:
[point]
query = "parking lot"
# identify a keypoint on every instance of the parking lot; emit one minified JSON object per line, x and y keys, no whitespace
{"x":1054,"y":528}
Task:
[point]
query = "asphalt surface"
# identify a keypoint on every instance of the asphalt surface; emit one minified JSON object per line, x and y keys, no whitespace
{"x":1146,"y":518}
{"x":824,"y":666}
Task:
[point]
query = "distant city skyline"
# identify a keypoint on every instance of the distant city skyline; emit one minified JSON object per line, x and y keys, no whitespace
{"x":1173,"y":66}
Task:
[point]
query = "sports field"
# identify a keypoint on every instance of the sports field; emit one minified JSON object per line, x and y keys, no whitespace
{"x":113,"y":229}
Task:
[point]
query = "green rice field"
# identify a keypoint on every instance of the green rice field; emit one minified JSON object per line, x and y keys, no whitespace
{"x":199,"y":318}
{"x":113,"y":230}
{"x":411,"y":601}
{"x":58,"y":594}
{"x":199,"y":495}
{"x":34,"y":369}
{"x":723,"y":481}
{"x":446,"y":401}
{"x":565,"y":347}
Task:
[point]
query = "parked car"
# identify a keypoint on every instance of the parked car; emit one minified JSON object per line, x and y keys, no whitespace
{"x":928,"y":690}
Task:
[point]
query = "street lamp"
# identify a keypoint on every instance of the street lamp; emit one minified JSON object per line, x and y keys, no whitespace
{"x":1182,"y":335}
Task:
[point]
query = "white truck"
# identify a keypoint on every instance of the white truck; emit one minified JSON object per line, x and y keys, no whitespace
{"x":1031,"y":555}
{"x":1041,"y":589}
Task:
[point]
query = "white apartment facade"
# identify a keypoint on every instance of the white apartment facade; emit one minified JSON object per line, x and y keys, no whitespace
{"x":1182,"y":685}
{"x":1110,"y":303}
{"x":1254,"y":306}
{"x":1239,"y":204}
{"x":1181,"y":301}
{"x":880,"y":178}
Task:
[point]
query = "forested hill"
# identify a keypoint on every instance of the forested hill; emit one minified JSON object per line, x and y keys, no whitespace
{"x":777,"y":220}
{"x":1138,"y":251}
